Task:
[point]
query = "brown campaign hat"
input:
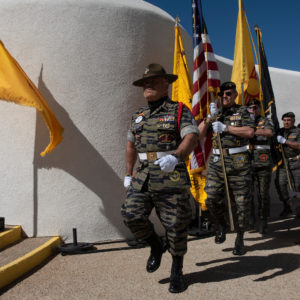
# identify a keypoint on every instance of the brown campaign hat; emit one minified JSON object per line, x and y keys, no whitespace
{"x":154,"y":70}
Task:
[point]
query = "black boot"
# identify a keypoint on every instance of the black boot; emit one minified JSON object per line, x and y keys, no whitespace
{"x":239,"y":248}
{"x":221,"y":232}
{"x":177,"y":284}
{"x":263,"y":226}
{"x":157,"y":250}
{"x":286,"y":210}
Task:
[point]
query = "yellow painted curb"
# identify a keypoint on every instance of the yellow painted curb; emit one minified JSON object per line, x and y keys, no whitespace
{"x":22,"y":265}
{"x":10,"y":236}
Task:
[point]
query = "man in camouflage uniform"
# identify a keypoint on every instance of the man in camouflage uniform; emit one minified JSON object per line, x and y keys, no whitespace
{"x":289,"y":137}
{"x":261,"y":161}
{"x":235,"y":127}
{"x":162,"y":135}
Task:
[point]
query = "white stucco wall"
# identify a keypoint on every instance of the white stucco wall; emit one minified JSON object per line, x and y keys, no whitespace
{"x":83,"y":56}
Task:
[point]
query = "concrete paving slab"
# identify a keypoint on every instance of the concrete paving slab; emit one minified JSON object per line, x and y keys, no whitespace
{"x":269,"y":270}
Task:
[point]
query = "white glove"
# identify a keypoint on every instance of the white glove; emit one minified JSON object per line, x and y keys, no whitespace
{"x":281,"y":139}
{"x":127,"y":181}
{"x":218,"y":127}
{"x":167,"y":163}
{"x":213,"y":109}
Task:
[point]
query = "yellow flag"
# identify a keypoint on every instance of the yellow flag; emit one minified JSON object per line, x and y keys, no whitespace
{"x":243,"y":70}
{"x":15,"y":86}
{"x":182,"y":91}
{"x":198,"y":182}
{"x":182,"y":87}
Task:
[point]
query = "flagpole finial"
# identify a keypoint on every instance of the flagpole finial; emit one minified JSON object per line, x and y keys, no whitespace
{"x":177,"y":21}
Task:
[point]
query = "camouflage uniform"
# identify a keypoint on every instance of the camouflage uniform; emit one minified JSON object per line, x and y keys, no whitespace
{"x":238,"y":170}
{"x":168,"y":192}
{"x":262,"y":166}
{"x":293,"y":160}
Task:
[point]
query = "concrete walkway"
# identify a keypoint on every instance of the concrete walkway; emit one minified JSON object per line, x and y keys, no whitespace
{"x":269,"y":270}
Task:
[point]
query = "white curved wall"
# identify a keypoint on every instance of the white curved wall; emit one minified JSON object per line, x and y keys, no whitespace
{"x":83,"y":56}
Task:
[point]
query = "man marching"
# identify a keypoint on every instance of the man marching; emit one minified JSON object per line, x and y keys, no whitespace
{"x":162,"y":134}
{"x":235,"y":127}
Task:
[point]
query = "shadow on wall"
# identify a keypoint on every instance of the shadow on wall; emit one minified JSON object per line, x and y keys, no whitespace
{"x":77,"y":156}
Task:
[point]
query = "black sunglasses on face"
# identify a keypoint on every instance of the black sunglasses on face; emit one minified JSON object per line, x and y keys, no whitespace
{"x":226,"y":94}
{"x":253,"y":107}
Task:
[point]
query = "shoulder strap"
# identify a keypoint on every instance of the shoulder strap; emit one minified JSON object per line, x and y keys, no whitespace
{"x":179,"y":114}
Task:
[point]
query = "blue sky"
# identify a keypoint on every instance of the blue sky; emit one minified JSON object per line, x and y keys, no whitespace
{"x":277,"y":19}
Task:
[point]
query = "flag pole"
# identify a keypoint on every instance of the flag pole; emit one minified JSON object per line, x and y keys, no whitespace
{"x":258,"y":34}
{"x":224,"y":174}
{"x":286,"y":168}
{"x":194,"y":36}
{"x":199,"y":94}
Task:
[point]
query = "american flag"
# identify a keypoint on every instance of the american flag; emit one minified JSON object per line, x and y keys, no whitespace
{"x":206,"y":80}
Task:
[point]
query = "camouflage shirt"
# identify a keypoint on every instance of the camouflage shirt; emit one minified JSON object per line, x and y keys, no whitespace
{"x":293,"y":135}
{"x":262,"y":157}
{"x":159,"y":131}
{"x":237,"y":116}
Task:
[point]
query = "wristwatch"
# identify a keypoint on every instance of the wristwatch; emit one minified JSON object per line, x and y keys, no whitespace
{"x":226,"y":128}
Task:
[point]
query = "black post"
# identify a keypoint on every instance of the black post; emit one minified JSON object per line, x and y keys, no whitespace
{"x":2,"y":223}
{"x":74,"y":237}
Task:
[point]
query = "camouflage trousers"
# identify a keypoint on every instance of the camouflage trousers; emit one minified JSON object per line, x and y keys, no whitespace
{"x":173,"y":210}
{"x":262,"y":180}
{"x":238,"y":171}
{"x":281,"y":183}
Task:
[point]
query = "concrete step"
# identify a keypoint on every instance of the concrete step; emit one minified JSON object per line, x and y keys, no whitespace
{"x":10,"y":235}
{"x":20,"y":255}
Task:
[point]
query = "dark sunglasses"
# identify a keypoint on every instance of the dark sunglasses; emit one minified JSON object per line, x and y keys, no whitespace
{"x":253,"y":107}
{"x":226,"y":93}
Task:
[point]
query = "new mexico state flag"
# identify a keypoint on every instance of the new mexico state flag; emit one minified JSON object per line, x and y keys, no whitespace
{"x":243,"y":70}
{"x":182,"y":91}
{"x":182,"y":87}
{"x":15,"y":86}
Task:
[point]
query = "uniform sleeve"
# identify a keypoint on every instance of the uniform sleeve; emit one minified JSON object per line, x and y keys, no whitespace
{"x":130,"y":135}
{"x":269,"y":124}
{"x":298,"y":134}
{"x":187,"y":123}
{"x":246,"y":118}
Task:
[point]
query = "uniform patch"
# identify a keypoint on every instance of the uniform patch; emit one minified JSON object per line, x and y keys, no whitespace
{"x":164,"y":125}
{"x":139,"y":119}
{"x":174,"y":176}
{"x":263,"y":157}
{"x":235,"y":118}
{"x":215,"y":159}
{"x":167,"y":118}
{"x":239,"y":160}
{"x":166,"y":138}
